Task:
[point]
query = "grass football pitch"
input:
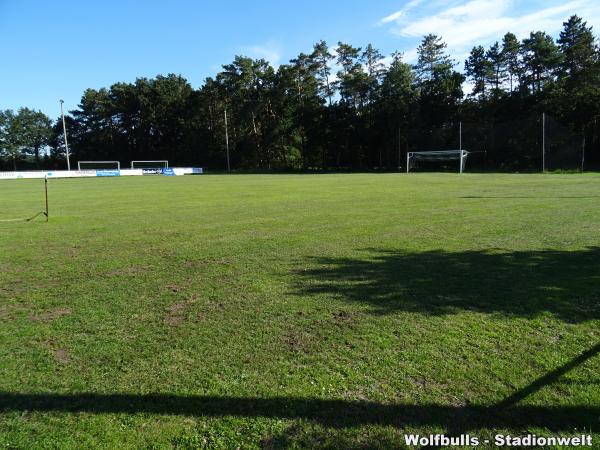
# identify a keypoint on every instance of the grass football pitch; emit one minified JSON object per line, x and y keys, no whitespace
{"x":298,"y":311}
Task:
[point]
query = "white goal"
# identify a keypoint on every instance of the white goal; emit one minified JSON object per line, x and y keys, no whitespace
{"x":93,"y":165}
{"x":412,"y":158}
{"x":158,"y":164}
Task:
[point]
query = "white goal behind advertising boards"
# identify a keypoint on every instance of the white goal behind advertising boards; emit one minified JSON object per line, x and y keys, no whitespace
{"x":93,"y":165}
{"x":158,"y":164}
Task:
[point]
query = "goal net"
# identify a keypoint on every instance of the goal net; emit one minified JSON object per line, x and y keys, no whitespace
{"x":158,"y":164}
{"x":456,"y":158}
{"x":98,"y":165}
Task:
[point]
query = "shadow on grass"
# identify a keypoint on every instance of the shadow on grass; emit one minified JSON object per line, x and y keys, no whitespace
{"x":336,"y":413}
{"x":564,"y":284}
{"x":506,"y":414}
{"x":331,"y":413}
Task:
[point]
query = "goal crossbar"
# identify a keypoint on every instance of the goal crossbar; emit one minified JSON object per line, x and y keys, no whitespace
{"x":118,"y":163}
{"x":437,"y":155}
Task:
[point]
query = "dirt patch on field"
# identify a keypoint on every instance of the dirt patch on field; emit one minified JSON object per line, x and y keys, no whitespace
{"x":15,"y":288}
{"x":345,"y":319}
{"x":9,"y":312}
{"x":50,"y":315}
{"x":61,"y":355}
{"x":177,"y":312}
{"x":301,"y":341}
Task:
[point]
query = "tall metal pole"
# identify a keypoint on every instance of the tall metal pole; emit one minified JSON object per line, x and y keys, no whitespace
{"x":227,"y":143}
{"x":583,"y":153}
{"x":65,"y":135}
{"x":399,"y":150}
{"x":543,"y":142}
{"x":460,"y":136}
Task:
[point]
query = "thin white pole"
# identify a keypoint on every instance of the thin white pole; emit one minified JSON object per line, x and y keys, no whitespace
{"x":399,"y":150}
{"x":543,"y":142}
{"x":65,"y":135}
{"x":583,"y":152}
{"x":407,"y":162}
{"x":227,"y":143}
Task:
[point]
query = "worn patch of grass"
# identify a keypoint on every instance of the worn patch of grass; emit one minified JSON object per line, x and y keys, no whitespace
{"x":306,"y":311}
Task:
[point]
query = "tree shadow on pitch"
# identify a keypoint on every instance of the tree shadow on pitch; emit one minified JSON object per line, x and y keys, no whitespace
{"x":335,"y":413}
{"x":562,"y":283}
{"x":330,"y":413}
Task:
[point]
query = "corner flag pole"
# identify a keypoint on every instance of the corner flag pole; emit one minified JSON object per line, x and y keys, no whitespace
{"x":46,"y":194}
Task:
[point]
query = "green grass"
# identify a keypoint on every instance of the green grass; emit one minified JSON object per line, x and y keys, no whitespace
{"x":311,"y":311}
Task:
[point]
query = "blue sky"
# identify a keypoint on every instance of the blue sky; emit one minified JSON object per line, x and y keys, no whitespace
{"x":56,"y":49}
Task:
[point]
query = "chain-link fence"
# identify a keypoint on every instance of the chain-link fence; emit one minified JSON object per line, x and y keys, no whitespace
{"x":534,"y":142}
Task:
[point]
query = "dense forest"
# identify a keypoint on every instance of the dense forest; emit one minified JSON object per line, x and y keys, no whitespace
{"x":342,"y":108}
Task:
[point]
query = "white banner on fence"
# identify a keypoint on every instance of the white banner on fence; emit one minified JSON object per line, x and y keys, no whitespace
{"x":91,"y":173}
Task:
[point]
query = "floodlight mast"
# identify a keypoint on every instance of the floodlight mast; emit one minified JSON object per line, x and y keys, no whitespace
{"x":227,"y":143}
{"x":543,"y":142}
{"x":65,"y":135}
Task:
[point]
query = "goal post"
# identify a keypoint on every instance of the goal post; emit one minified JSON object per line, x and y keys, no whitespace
{"x":155,"y":164}
{"x":93,"y":165}
{"x":437,"y":155}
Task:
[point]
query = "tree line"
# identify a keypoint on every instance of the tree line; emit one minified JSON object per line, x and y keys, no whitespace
{"x":340,"y":108}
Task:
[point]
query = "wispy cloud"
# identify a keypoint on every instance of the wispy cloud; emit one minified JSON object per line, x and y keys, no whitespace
{"x":270,"y":51}
{"x":400,"y":13}
{"x":473,"y":22}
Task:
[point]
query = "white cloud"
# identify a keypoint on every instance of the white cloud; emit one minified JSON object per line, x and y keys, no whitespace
{"x":401,"y":13}
{"x":270,"y":51}
{"x":392,"y":17}
{"x":410,"y":56}
{"x":484,"y":21}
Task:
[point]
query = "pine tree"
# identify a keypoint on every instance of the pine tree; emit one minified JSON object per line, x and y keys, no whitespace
{"x":578,"y":45}
{"x":478,"y":67}
{"x":541,"y":57}
{"x":511,"y":57}
{"x":497,"y":67}
{"x":432,"y":58}
{"x":322,"y":58}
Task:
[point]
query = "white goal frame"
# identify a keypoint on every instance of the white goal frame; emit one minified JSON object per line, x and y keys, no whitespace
{"x":118,"y":163}
{"x":164,"y":162}
{"x":438,"y":155}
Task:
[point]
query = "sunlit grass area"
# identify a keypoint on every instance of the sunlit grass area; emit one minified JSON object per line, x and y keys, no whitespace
{"x":302,"y":311}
